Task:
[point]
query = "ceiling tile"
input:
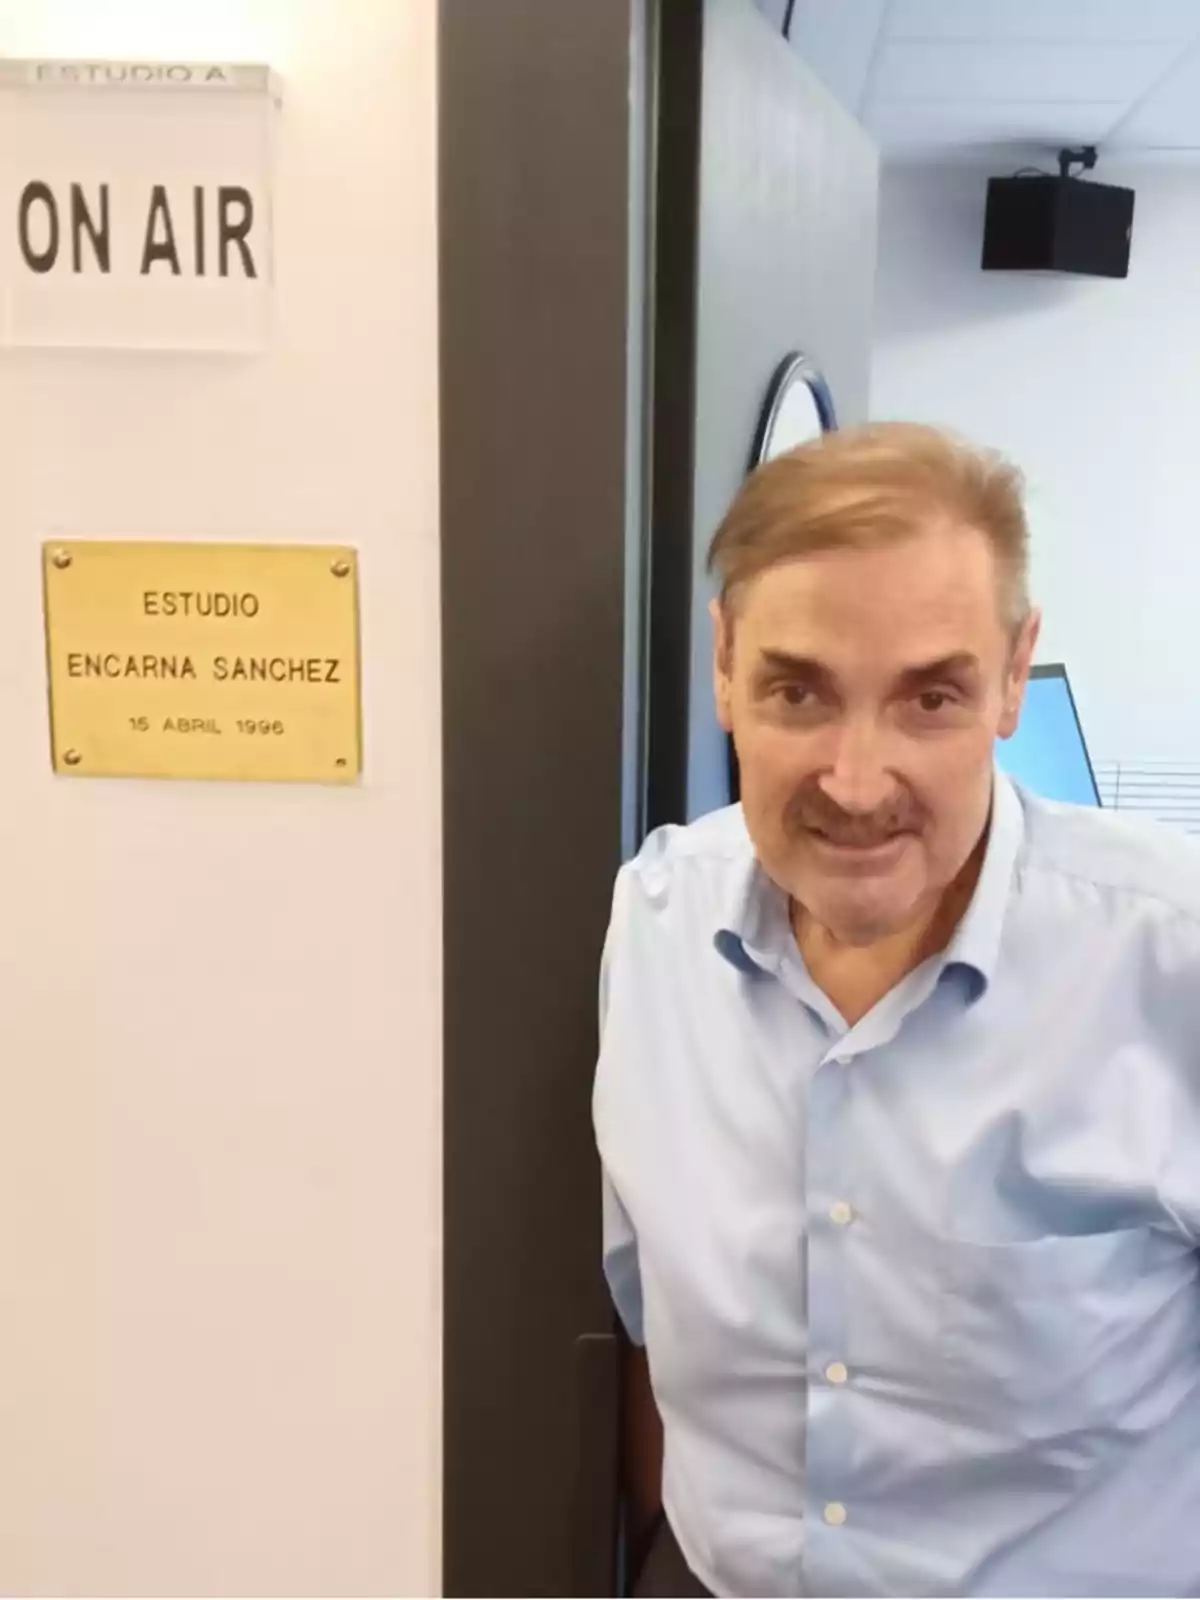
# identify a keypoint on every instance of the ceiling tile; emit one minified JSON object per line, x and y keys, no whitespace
{"x":838,"y":41}
{"x":1170,"y":116}
{"x":774,"y":10}
{"x":967,"y":123}
{"x":1058,"y":73}
{"x":950,"y":76}
{"x":1116,"y":20}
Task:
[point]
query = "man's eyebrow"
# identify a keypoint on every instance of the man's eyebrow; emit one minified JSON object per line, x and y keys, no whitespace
{"x":960,"y":665}
{"x":785,"y":664}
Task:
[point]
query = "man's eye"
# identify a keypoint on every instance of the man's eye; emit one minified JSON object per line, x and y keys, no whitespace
{"x":933,"y":701}
{"x":794,"y":694}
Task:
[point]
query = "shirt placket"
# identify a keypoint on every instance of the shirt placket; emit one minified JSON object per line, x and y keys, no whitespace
{"x":832,"y":1201}
{"x":829,"y":1497}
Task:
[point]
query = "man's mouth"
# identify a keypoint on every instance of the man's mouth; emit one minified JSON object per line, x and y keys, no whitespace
{"x":859,"y":844}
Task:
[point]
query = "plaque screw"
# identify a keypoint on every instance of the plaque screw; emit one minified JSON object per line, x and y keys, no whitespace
{"x":340,"y":762}
{"x":340,"y":568}
{"x":62,"y":559}
{"x":72,"y":758}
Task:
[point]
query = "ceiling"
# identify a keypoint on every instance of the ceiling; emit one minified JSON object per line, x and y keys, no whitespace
{"x":932,"y":79}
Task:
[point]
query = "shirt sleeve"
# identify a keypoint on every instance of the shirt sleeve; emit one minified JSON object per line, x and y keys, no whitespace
{"x":620,"y":1250}
{"x":621,"y":1262}
{"x":1165,"y":1114}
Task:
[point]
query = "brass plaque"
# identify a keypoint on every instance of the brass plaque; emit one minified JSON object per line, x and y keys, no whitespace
{"x":203,"y":661}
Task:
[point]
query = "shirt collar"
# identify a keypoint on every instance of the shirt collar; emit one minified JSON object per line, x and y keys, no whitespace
{"x":755,"y":927}
{"x":755,"y":923}
{"x":976,"y":940}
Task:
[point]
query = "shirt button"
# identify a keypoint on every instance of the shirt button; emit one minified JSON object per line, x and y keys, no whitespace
{"x":842,"y":1213}
{"x":843,"y":1061}
{"x":836,"y":1372}
{"x":835,"y":1514}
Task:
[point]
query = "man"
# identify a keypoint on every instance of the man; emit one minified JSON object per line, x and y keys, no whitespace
{"x":898,"y":1099}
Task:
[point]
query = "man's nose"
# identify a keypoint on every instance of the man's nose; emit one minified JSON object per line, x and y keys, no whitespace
{"x":859,"y":780}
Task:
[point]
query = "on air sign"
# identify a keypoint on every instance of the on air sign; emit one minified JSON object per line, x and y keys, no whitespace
{"x":72,"y":232}
{"x":135,"y":205}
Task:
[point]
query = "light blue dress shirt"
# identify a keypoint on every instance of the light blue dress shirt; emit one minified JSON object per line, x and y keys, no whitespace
{"x":920,"y":1297}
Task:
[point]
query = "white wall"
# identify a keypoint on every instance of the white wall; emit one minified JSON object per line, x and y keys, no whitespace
{"x":1094,"y":387}
{"x":219,"y":1026}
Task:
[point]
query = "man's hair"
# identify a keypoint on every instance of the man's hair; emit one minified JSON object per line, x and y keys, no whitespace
{"x":862,"y":488}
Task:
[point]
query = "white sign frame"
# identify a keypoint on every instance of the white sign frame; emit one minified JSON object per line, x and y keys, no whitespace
{"x":136,"y":204}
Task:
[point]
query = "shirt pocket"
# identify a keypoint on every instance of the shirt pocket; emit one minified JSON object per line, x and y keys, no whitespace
{"x":1053,"y":1334}
{"x":1028,"y":1340}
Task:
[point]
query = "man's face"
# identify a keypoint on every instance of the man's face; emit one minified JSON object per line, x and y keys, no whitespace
{"x":865,"y":691}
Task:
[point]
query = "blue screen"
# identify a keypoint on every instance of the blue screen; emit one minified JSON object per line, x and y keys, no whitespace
{"x":1047,"y":753}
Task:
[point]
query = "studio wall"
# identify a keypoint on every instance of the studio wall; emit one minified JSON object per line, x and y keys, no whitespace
{"x":220,"y":1214}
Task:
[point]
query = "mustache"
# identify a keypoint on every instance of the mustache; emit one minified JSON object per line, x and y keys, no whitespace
{"x":812,"y":811}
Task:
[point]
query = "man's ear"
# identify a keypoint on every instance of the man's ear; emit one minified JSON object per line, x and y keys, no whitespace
{"x":722,"y":662}
{"x":1019,"y":668}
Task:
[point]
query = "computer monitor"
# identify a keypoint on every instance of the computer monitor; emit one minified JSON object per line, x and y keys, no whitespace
{"x":1048,"y":754}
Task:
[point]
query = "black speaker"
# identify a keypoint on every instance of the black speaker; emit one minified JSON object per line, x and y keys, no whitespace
{"x":1044,"y":224}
